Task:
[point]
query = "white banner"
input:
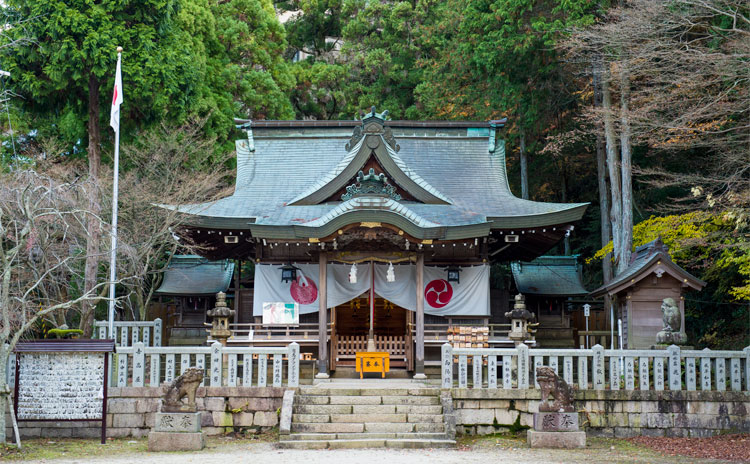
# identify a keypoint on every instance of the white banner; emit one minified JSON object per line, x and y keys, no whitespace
{"x":304,"y":291}
{"x":470,"y":297}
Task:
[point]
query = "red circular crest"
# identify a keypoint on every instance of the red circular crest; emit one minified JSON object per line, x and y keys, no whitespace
{"x":438,"y":293}
{"x":304,"y":291}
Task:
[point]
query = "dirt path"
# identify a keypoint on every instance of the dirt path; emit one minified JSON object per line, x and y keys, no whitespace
{"x":483,"y":451}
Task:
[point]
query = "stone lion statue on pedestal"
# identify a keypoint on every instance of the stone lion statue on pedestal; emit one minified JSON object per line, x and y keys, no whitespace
{"x":552,"y":385}
{"x":672,"y":319}
{"x":182,"y":386}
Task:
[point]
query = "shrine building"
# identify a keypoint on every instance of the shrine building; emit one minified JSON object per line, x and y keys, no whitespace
{"x":372,"y":231}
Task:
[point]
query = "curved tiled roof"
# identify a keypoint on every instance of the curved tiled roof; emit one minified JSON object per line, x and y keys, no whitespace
{"x":549,"y":276}
{"x":193,"y":275}
{"x":460,"y":180}
{"x":376,"y":203}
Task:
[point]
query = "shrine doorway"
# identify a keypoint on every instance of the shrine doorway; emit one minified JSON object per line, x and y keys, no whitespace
{"x":392,"y":326}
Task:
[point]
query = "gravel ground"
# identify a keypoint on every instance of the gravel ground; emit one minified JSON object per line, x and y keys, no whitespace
{"x":481,"y":451}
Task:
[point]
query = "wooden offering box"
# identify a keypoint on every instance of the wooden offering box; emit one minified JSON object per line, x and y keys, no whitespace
{"x":372,"y":362}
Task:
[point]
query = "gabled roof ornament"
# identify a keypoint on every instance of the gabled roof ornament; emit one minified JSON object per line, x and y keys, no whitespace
{"x":248,"y":128}
{"x":372,"y":185}
{"x":494,"y":145}
{"x":373,"y":116}
{"x":373,"y":123}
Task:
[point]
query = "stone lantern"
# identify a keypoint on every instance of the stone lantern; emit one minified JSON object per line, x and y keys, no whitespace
{"x":519,"y":321}
{"x":220,"y":319}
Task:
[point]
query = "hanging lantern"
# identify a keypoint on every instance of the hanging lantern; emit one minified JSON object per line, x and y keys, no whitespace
{"x":353,"y":274}
{"x":390,"y":275}
{"x":453,"y":273}
{"x":288,"y":273}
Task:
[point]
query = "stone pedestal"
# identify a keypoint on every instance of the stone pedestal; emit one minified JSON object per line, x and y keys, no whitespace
{"x":566,"y":440}
{"x":556,"y":430}
{"x":176,"y":431}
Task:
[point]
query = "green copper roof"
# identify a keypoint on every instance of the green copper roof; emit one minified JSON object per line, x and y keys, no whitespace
{"x":549,"y":275}
{"x":643,"y":259}
{"x":287,"y":170}
{"x":193,"y":275}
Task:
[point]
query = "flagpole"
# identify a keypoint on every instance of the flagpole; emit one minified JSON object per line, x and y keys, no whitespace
{"x":113,"y":248}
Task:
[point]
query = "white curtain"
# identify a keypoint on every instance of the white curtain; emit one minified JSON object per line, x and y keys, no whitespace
{"x":270,"y":289}
{"x":402,"y":292}
{"x":470,"y":297}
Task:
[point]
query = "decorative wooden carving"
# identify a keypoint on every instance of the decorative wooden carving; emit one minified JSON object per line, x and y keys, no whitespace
{"x":371,"y":184}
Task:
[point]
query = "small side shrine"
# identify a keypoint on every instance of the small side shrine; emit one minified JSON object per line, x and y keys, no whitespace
{"x":648,"y":293}
{"x":188,"y":291}
{"x":553,"y":288}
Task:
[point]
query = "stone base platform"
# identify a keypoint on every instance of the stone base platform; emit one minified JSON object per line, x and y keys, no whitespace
{"x":177,"y":431}
{"x":538,"y":439}
{"x":180,"y":441}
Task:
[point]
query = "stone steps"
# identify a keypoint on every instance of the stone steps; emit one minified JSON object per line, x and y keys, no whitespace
{"x":366,"y":435}
{"x":359,"y":427}
{"x":350,"y":416}
{"x":367,"y":443}
{"x":367,"y":409}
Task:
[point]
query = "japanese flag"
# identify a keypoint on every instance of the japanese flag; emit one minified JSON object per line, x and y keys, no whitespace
{"x":114,"y":118}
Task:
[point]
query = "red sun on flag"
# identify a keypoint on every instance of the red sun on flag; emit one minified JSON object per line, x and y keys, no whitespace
{"x":438,"y":293}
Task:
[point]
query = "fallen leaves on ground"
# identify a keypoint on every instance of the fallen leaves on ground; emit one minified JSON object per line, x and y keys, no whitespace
{"x":727,"y":447}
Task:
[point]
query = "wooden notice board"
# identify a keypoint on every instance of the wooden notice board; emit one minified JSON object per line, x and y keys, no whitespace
{"x":62,"y":380}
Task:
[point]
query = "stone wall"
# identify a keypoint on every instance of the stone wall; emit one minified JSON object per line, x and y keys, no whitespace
{"x":610,"y":413}
{"x":131,"y":412}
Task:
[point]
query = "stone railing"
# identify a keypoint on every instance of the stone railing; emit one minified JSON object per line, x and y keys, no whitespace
{"x":598,"y":368}
{"x":128,"y":333}
{"x":140,"y":365}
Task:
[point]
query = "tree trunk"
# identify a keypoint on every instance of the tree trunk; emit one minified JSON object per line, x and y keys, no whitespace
{"x":564,"y":199}
{"x":626,"y":172}
{"x":601,"y":170}
{"x":524,"y":167}
{"x":4,"y":353}
{"x":615,"y":215}
{"x":93,"y":228}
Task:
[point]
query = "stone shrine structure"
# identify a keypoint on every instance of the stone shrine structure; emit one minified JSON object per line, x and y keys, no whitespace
{"x":177,"y":427}
{"x":220,"y":319}
{"x":556,"y":423}
{"x":520,"y":329}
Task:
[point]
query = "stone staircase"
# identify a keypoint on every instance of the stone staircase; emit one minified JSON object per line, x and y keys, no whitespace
{"x":360,"y":414}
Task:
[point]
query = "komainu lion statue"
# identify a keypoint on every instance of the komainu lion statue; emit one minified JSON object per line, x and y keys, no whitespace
{"x":672,"y":319}
{"x":182,"y":386}
{"x":551,"y":384}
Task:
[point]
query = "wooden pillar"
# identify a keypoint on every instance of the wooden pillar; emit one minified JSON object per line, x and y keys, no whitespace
{"x":419,"y":362}
{"x":323,"y":317}
{"x":237,"y":317}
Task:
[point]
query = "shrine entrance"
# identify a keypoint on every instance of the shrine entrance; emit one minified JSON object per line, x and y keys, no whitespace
{"x":391,"y":329}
